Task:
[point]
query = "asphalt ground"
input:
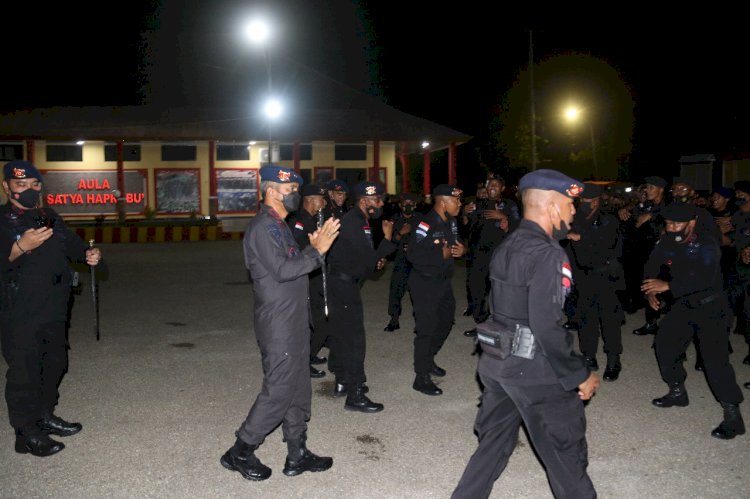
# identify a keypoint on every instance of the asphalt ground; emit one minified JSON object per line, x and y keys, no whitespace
{"x":177,"y":368}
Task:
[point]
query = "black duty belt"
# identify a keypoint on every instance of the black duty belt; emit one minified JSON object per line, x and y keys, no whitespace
{"x":432,"y":275}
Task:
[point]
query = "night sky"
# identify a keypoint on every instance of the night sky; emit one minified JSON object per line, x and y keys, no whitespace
{"x":666,"y":85}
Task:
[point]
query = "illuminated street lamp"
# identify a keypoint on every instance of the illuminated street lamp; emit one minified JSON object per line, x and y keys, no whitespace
{"x":259,"y":32}
{"x":572,"y":115}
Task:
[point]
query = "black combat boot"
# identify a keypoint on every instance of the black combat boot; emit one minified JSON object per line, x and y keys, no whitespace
{"x":316,"y":373}
{"x":392,"y":325}
{"x":423,"y":383}
{"x":37,"y":443}
{"x":356,"y":400}
{"x":732,"y":425}
{"x":53,"y":425}
{"x":612,"y":372}
{"x":340,"y":389}
{"x":241,"y":458}
{"x":647,"y":328}
{"x":437,"y":370}
{"x":299,"y":459}
{"x":677,"y":396}
{"x":591,"y":362}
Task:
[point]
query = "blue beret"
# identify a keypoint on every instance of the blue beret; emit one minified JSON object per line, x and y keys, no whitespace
{"x":19,"y":169}
{"x":447,"y":190}
{"x":591,"y":191}
{"x":654,"y":180}
{"x":280,"y":175}
{"x":679,"y":212}
{"x":367,"y":188}
{"x":725,"y":192}
{"x":551,"y":180}
{"x":313,"y":190}
{"x":337,"y":185}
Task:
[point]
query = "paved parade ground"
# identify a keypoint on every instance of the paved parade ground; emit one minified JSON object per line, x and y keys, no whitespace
{"x":177,"y":368}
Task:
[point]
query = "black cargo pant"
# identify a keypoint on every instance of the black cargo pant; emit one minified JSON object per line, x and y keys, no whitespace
{"x":398,"y":284}
{"x":556,"y":425}
{"x":286,"y":394}
{"x":599,"y":312}
{"x":346,"y":332}
{"x":479,"y":283}
{"x":434,"y":313}
{"x":710,"y":323}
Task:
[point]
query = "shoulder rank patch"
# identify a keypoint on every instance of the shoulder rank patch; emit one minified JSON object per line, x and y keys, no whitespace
{"x":298,"y":225}
{"x":567,"y":279}
{"x":422,"y":230}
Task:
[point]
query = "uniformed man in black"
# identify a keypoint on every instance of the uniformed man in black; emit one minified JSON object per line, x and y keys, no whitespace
{"x":532,"y":375}
{"x":336,"y":194}
{"x":304,"y":222}
{"x":684,"y":269}
{"x":278,"y":269}
{"x":741,"y":236}
{"x":491,"y":222}
{"x":432,"y":247}
{"x":643,"y":226}
{"x":404,"y":224}
{"x":596,"y":247}
{"x":352,"y":259}
{"x":35,"y":279}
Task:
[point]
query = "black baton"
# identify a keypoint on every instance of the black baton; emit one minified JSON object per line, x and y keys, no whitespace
{"x":323,"y":269}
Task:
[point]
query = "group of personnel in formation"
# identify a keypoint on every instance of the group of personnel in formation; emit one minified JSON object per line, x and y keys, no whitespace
{"x":555,"y":257}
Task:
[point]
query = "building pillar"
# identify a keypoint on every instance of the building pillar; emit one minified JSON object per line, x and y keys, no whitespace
{"x":213,"y":198}
{"x":426,"y":183}
{"x":404,"y":159}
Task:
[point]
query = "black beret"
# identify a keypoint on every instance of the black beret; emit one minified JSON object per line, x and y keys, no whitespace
{"x":313,"y":190}
{"x":591,"y":191}
{"x":280,"y":175}
{"x":367,"y":188}
{"x":551,"y":180}
{"x":337,"y":185}
{"x":408,"y":196}
{"x":679,"y":212}
{"x":740,"y":185}
{"x":19,"y":169}
{"x":654,"y":180}
{"x":447,"y":190}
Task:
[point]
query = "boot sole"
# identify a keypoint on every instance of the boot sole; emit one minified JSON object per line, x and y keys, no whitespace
{"x":295,"y":472}
{"x":231,"y":467}
{"x":364,"y":410}
{"x":22,"y":448}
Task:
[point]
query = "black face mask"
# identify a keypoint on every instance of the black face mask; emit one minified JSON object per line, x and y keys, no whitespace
{"x":408,"y":209}
{"x":291,"y":201}
{"x":28,"y":198}
{"x":562,"y":232}
{"x":374,"y":212}
{"x":740,"y":201}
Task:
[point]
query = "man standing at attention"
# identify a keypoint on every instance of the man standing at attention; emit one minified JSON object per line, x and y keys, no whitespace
{"x":279,"y":269}
{"x":432,"y":248}
{"x":531,"y":374}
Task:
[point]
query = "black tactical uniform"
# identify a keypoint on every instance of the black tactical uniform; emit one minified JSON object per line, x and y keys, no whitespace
{"x":531,"y":276}
{"x":597,"y":257}
{"x":431,"y":286}
{"x":303,"y":224}
{"x":351,"y":260}
{"x":484,"y":236}
{"x":401,"y":266}
{"x":741,"y":286}
{"x":698,"y":306}
{"x":34,"y":294}
{"x":332,"y":209}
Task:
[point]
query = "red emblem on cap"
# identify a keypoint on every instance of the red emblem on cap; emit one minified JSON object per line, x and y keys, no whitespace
{"x":284,"y":176}
{"x":574,"y":190}
{"x":456,"y":192}
{"x":370,"y":190}
{"x":19,"y":173}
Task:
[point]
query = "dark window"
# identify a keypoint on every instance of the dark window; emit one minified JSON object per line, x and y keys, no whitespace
{"x":306,"y":175}
{"x":64,"y":153}
{"x":286,"y":152}
{"x":351,"y":152}
{"x":351,"y":176}
{"x":178,"y":153}
{"x":9,"y":152}
{"x":130,"y":152}
{"x":232,"y":153}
